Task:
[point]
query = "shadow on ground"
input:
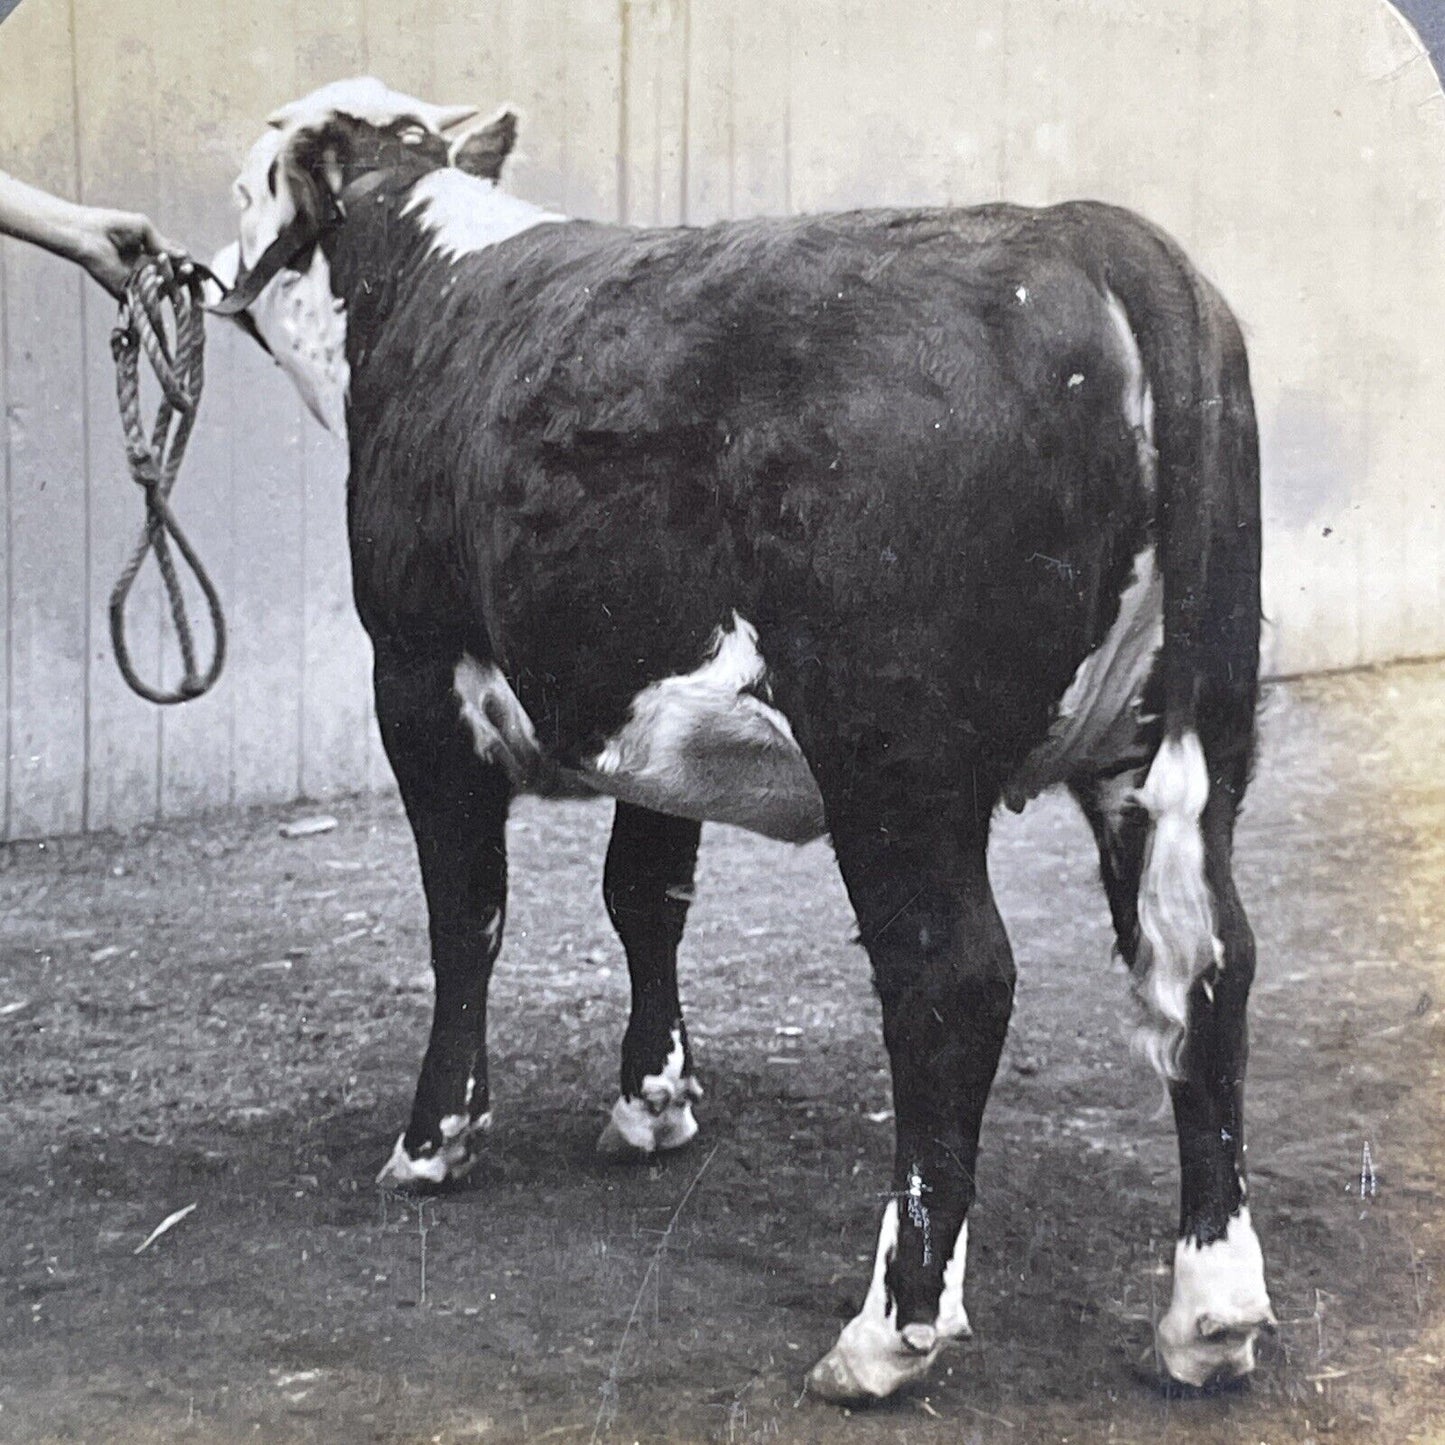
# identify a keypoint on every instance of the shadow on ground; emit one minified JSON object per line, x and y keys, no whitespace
{"x":207,"y":1014}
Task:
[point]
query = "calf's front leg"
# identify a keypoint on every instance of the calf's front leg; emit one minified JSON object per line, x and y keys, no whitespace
{"x":457,"y":805}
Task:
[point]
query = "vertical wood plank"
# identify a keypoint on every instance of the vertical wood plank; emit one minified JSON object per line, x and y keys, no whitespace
{"x":652,"y":163}
{"x":558,"y":62}
{"x":739,"y":110}
{"x":116,"y":87}
{"x":193,"y":98}
{"x":5,"y":546}
{"x":267,"y":515}
{"x":1399,"y":576}
{"x":713,"y":101}
{"x":877,"y":109}
{"x":45,"y":425}
{"x":401,"y":45}
{"x":336,"y":704}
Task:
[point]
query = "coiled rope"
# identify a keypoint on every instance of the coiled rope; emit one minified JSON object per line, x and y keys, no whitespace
{"x":162,"y":314}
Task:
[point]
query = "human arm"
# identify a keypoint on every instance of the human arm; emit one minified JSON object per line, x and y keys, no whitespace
{"x":104,"y":242}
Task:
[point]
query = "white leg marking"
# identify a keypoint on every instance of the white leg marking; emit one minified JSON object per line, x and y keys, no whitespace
{"x":659,"y":1118}
{"x":1219,"y":1305}
{"x":455,"y":1157}
{"x":1177,"y":941}
{"x":873,"y":1356}
{"x":952,"y":1317}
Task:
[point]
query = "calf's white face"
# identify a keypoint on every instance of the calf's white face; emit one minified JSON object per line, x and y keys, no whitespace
{"x":297,"y":315}
{"x":263,"y":190}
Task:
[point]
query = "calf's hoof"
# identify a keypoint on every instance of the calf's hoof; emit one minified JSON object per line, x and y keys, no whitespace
{"x":436,"y":1164}
{"x":1209,"y":1352}
{"x":1218,"y":1309}
{"x":871,"y":1360}
{"x":660,"y":1119}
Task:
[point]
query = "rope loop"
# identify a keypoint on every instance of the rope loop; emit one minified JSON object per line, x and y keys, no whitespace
{"x":163,"y":315}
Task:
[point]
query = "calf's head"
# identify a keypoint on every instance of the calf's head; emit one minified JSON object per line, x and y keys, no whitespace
{"x":318,"y":153}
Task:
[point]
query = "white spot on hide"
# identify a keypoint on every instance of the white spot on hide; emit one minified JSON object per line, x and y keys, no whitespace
{"x":952,"y":1317}
{"x":1138,"y":398}
{"x":1096,"y":728}
{"x":501,"y":730}
{"x":871,"y":1358}
{"x":1218,"y":1306}
{"x":464,"y":214}
{"x":705,"y":745}
{"x":492,"y":932}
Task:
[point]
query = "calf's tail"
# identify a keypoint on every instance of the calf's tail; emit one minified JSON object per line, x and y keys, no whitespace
{"x":1207,"y":542}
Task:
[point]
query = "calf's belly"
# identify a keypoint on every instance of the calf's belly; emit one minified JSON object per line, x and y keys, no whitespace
{"x":707,"y":752}
{"x":697,"y":746}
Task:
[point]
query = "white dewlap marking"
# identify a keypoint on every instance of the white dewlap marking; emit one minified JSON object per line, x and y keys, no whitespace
{"x":464,"y":214}
{"x":1219,"y":1304}
{"x":660,"y":1118}
{"x":297,"y":314}
{"x":304,"y":324}
{"x":703,"y":745}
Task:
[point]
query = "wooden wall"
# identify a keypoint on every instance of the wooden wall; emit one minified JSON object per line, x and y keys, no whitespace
{"x":1295,"y":146}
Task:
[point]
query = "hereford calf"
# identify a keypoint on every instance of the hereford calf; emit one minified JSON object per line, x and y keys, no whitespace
{"x":857,"y":524}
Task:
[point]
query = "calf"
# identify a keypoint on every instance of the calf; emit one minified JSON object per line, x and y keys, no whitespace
{"x":858,"y":524}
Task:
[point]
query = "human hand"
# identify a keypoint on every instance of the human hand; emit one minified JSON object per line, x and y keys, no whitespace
{"x":109,"y":243}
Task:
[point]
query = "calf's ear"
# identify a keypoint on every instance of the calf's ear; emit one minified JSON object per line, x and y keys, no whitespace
{"x":483,"y":152}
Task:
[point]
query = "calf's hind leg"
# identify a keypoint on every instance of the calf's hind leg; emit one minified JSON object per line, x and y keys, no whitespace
{"x":1220,"y":1302}
{"x":647,"y":886}
{"x":457,"y":805}
{"x":945,"y":974}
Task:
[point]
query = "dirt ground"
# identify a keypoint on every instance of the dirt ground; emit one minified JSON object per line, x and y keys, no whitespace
{"x":209,"y":1015}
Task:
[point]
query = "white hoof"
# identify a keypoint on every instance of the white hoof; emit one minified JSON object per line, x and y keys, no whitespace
{"x":1218,"y":1308}
{"x":871,"y":1360}
{"x":661,"y":1119}
{"x":873,"y":1356}
{"x":457,"y":1154}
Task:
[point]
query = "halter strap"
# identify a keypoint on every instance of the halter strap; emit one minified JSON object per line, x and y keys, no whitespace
{"x":298,"y":235}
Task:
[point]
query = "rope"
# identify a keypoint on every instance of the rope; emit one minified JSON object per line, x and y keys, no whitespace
{"x":175,"y":347}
